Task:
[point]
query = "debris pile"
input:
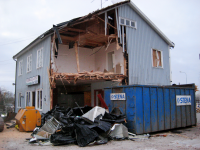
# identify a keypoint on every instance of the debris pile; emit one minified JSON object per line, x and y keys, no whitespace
{"x":80,"y":125}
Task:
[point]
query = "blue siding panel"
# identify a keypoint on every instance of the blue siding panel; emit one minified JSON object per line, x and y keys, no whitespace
{"x":44,"y":85}
{"x":139,"y":44}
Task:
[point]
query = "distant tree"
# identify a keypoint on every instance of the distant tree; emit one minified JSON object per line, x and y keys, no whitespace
{"x":6,"y":100}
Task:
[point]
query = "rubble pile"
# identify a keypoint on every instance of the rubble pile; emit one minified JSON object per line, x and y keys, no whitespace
{"x":79,"y":125}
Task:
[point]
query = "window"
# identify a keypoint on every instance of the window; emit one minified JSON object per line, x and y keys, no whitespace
{"x":29,"y":63}
{"x":28,"y":98}
{"x":127,"y":22}
{"x":40,"y":58}
{"x":20,"y":67}
{"x":122,"y":22}
{"x":39,"y":100}
{"x":157,"y":58}
{"x":19,"y":102}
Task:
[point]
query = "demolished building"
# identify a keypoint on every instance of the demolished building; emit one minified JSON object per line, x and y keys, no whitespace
{"x":74,"y":60}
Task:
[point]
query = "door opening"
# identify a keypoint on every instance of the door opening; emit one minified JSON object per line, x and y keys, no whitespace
{"x":33,"y":98}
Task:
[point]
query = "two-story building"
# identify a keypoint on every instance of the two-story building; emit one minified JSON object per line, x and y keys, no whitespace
{"x":74,"y":60}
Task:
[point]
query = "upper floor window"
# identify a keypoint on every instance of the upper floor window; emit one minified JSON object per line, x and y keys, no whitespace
{"x":40,"y":58}
{"x":20,"y":67}
{"x":29,"y":63}
{"x":127,"y":22}
{"x":157,"y":58}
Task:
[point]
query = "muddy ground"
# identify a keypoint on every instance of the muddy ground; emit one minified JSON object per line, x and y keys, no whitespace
{"x":12,"y":139}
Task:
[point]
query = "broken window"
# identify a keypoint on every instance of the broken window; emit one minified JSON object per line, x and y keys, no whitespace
{"x":19,"y":103}
{"x":39,"y":100}
{"x":40,"y":58}
{"x":157,"y":58}
{"x":29,"y":63}
{"x":127,"y":22}
{"x":20,"y":67}
{"x":28,"y":98}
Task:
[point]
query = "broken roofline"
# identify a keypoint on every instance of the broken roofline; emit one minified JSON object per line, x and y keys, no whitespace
{"x":98,"y":12}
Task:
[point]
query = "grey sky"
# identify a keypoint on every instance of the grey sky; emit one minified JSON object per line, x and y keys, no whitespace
{"x":22,"y":21}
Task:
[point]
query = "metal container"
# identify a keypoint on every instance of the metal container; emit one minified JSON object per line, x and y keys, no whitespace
{"x":153,"y":108}
{"x":28,"y":118}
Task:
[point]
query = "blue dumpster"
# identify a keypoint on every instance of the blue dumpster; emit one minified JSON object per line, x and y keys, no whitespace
{"x":153,"y":108}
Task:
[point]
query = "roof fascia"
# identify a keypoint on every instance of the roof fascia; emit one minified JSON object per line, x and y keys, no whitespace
{"x":111,"y":8}
{"x":135,"y":8}
{"x":31,"y":45}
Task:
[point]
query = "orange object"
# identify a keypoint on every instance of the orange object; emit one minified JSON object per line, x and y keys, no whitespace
{"x":27,"y":119}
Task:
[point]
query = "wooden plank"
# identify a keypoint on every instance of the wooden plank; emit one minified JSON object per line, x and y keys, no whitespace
{"x":76,"y":30}
{"x":107,"y":22}
{"x":77,"y":58}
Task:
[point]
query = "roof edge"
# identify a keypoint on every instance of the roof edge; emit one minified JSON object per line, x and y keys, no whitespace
{"x":33,"y":43}
{"x":133,"y":6}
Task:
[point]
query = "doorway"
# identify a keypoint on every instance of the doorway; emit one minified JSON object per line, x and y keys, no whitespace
{"x":33,"y":98}
{"x":97,"y":102}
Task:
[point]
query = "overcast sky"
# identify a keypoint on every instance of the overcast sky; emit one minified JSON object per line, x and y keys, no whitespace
{"x":21,"y":21}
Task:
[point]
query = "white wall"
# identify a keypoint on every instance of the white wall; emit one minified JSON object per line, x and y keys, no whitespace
{"x":88,"y":59}
{"x":66,"y":60}
{"x":101,"y":58}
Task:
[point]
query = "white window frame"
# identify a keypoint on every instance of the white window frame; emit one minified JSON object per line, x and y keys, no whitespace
{"x":40,"y":99}
{"x":20,"y":68}
{"x":29,"y":63}
{"x":124,"y":24}
{"x":157,"y":57}
{"x":39,"y":58}
{"x":30,"y":98}
{"x":19,"y":100}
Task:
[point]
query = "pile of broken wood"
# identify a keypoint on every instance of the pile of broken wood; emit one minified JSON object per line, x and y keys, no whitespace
{"x":97,"y":75}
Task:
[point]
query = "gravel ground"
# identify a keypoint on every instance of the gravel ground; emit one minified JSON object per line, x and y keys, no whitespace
{"x":12,"y":139}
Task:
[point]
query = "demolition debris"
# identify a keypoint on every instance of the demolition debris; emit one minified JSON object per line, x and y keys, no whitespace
{"x":80,"y":125}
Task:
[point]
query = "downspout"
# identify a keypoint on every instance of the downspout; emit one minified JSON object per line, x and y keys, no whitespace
{"x":15,"y":84}
{"x":170,"y":75}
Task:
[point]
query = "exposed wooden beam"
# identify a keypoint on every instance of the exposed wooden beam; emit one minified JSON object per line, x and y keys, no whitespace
{"x":68,"y":38}
{"x":107,"y":22}
{"x":93,"y":42}
{"x":76,"y":30}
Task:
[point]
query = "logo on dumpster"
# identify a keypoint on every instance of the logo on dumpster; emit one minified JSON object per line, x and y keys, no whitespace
{"x":117,"y":96}
{"x":183,"y":100}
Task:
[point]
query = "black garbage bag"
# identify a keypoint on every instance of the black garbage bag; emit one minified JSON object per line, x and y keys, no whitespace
{"x":84,"y":135}
{"x":100,"y":126}
{"x":79,"y":111}
{"x":114,"y":118}
{"x":61,"y":139}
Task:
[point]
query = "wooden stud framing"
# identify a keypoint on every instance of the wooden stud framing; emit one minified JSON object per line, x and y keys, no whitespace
{"x":77,"y":58}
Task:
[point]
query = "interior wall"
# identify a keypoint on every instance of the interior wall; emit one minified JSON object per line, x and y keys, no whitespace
{"x":89,"y":60}
{"x":66,"y":59}
{"x":101,"y":58}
